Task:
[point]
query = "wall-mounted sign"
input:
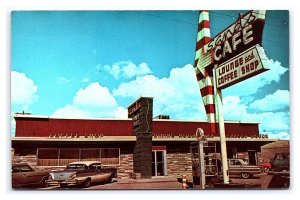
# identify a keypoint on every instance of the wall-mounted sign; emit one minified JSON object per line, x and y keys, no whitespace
{"x":245,"y":65}
{"x":244,"y":33}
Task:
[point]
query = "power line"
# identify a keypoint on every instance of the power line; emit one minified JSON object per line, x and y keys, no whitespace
{"x":231,"y":16}
{"x":175,"y":20}
{"x":214,"y":28}
{"x":217,"y":13}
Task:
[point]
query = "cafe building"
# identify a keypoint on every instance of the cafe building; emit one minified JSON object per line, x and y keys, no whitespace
{"x":50,"y":142}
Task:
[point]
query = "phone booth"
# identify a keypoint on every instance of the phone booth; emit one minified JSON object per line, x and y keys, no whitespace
{"x":205,"y":165}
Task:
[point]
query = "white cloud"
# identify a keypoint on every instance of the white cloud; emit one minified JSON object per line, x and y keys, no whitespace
{"x":233,"y":108}
{"x":272,"y":122}
{"x":23,"y":92}
{"x":127,"y":69}
{"x":71,"y":111}
{"x":23,"y":95}
{"x":254,"y":84}
{"x":94,"y":95}
{"x":280,"y":135}
{"x":121,"y":113}
{"x":62,"y":80}
{"x":178,"y":95}
{"x":272,"y":102}
{"x":85,"y":80}
{"x":92,"y":101}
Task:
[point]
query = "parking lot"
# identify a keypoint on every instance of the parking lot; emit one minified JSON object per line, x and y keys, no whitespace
{"x":163,"y":183}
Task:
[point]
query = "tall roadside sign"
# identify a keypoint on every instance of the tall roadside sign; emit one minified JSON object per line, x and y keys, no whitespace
{"x":141,"y":113}
{"x":232,"y":56}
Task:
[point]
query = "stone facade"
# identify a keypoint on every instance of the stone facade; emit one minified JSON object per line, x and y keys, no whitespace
{"x":125,"y":170}
{"x":179,"y":164}
{"x":30,"y":159}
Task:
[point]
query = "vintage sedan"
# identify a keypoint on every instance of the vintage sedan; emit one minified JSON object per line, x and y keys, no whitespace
{"x":82,"y":173}
{"x":266,"y":166}
{"x":24,"y":176}
{"x":242,"y":168}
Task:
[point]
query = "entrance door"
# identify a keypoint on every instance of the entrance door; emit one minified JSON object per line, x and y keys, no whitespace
{"x":158,"y":163}
{"x":252,"y":157}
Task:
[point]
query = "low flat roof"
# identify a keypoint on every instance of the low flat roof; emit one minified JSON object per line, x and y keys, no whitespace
{"x":133,"y":138}
{"x":128,"y":119}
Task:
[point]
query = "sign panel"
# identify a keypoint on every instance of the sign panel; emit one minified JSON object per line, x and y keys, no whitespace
{"x":243,"y":66}
{"x":141,"y":113}
{"x":241,"y":35}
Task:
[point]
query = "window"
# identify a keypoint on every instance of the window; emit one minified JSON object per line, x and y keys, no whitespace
{"x":22,"y":168}
{"x":47,"y":157}
{"x":96,"y":166}
{"x":67,"y":156}
{"x":109,"y":156}
{"x":64,"y":156}
{"x":77,"y":166}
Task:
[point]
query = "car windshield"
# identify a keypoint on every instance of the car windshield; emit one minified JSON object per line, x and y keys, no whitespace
{"x":76,"y":166}
{"x":22,"y":168}
{"x":243,"y":162}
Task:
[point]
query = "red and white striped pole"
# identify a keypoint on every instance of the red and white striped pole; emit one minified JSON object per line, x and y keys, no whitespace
{"x":203,"y":75}
{"x":205,"y":72}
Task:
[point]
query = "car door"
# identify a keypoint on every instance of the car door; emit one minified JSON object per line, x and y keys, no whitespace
{"x":99,"y":173}
{"x":235,"y":167}
{"x":24,"y":175}
{"x":17,"y":176}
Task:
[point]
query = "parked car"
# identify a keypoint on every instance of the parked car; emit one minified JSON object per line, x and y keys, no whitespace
{"x":266,"y":166}
{"x":281,"y":162}
{"x":24,"y":176}
{"x":82,"y":173}
{"x":242,"y":168}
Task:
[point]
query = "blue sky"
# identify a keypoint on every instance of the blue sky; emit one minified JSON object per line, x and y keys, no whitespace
{"x":96,"y":63}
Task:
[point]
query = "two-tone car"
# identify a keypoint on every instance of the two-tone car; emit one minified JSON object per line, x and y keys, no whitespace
{"x":25,"y":176}
{"x":242,"y":168}
{"x":82,"y":173}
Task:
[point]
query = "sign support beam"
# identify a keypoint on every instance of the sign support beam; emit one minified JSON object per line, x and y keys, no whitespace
{"x":202,"y":167}
{"x":220,"y":119}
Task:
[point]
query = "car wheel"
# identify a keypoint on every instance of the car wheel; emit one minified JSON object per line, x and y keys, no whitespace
{"x":43,"y":182}
{"x":245,"y":175}
{"x":110,"y":179}
{"x":284,"y":170}
{"x":266,"y":169}
{"x":87,"y":183}
{"x":63,"y":185}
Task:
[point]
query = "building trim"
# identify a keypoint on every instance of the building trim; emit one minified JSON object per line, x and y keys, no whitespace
{"x":118,"y":119}
{"x":133,"y":138}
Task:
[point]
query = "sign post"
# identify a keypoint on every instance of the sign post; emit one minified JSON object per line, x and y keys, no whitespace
{"x":220,"y":119}
{"x":201,"y":139}
{"x":232,"y":56}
